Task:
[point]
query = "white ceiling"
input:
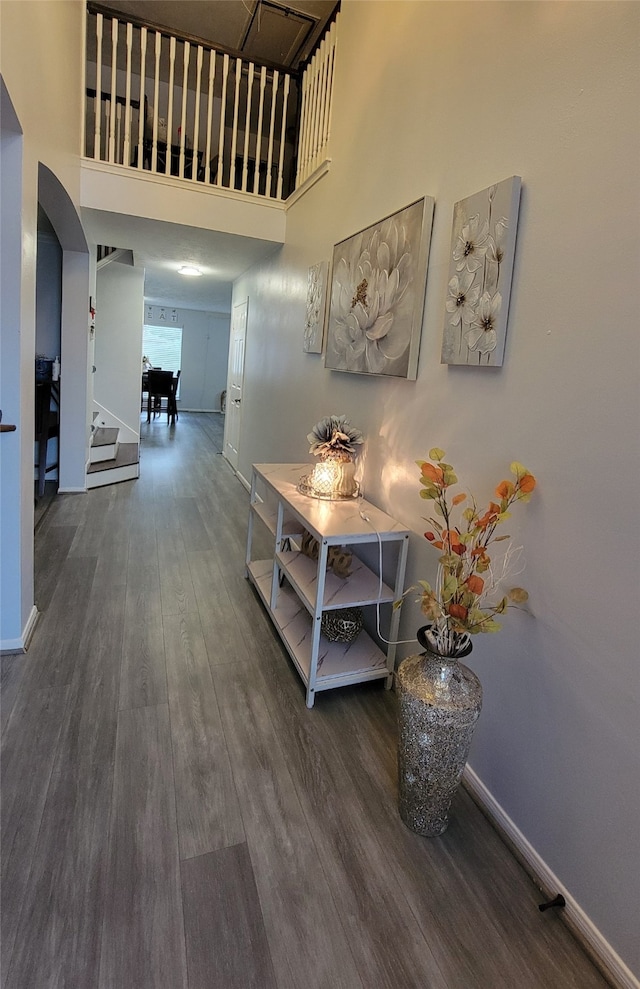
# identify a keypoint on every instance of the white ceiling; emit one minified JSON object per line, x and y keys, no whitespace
{"x":161,"y":248}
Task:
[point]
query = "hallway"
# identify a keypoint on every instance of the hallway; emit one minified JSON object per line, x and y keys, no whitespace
{"x":173,"y":817}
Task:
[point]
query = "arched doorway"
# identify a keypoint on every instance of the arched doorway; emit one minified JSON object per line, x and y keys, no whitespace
{"x":74,"y":330}
{"x":17,"y":371}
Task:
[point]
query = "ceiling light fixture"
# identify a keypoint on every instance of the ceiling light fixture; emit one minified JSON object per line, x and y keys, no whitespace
{"x":189,"y":269}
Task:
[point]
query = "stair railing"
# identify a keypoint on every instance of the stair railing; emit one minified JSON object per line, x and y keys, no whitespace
{"x":315,"y":114}
{"x":179,"y":107}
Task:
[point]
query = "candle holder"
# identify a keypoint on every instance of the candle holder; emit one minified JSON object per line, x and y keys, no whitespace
{"x":334,"y":440}
{"x":331,"y":480}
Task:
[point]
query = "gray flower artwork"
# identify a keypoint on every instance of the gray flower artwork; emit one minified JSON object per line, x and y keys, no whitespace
{"x":377,"y":295}
{"x":316,"y":299}
{"x":480,"y":269}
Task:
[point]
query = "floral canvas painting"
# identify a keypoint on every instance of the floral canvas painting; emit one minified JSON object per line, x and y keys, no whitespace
{"x":316,"y":299}
{"x":480,"y":269}
{"x":377,"y":295}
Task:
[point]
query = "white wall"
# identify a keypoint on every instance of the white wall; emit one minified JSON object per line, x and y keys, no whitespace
{"x":118,"y":341}
{"x":16,"y":514}
{"x":446,"y":99}
{"x":41,"y":59}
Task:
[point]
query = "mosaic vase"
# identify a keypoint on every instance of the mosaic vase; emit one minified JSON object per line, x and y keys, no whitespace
{"x":439,"y":702}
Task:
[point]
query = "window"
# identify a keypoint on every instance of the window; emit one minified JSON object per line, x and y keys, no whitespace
{"x":162,"y":345}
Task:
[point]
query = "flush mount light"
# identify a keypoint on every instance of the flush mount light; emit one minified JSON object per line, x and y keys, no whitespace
{"x":189,"y":269}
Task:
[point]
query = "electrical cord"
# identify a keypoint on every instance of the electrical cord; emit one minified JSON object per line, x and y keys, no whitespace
{"x":389,"y":642}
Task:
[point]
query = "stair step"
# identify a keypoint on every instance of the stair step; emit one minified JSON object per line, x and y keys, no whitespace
{"x":104,"y":445}
{"x":124,"y":467}
{"x":104,"y":437}
{"x":113,"y":476}
{"x":127,"y":455}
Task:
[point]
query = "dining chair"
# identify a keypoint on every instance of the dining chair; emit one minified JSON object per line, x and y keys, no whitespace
{"x":162,"y":384}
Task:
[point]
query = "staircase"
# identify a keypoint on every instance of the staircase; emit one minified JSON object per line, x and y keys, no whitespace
{"x":110,"y":460}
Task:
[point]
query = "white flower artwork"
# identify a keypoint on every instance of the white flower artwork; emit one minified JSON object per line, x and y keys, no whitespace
{"x":316,"y":300}
{"x":481,"y":266}
{"x":377,"y":295}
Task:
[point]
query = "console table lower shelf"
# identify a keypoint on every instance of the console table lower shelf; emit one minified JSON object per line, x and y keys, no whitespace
{"x":299,"y":588}
{"x":339,"y":663}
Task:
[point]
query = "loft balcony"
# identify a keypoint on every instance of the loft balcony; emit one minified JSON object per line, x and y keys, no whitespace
{"x":178,"y":108}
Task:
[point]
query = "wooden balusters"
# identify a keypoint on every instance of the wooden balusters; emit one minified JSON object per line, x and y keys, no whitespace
{"x":143,"y":102}
{"x":212,"y":77}
{"x":196,"y":116}
{"x":98,"y":97}
{"x":214,"y":118}
{"x":112,"y":102}
{"x":223,"y":110}
{"x":315,"y":117}
{"x":247,"y":130}
{"x":263,"y":82}
{"x":186,"y":52}
{"x":274,"y":93}
{"x":283,"y":133}
{"x":126,"y":150}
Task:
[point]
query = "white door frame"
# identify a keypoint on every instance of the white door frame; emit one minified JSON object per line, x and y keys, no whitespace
{"x":235,"y":380}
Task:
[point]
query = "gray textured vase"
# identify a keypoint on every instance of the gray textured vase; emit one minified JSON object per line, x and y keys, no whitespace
{"x":439,"y":704}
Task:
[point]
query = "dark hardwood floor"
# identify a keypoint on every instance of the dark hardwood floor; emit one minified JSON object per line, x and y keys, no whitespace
{"x":173,"y":817}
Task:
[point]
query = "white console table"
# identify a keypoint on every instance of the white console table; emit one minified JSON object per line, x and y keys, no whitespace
{"x":296,"y":603}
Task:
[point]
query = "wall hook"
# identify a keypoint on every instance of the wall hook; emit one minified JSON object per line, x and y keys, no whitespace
{"x":558,"y":901}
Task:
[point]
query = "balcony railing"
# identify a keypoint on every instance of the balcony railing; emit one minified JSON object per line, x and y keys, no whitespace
{"x":180,"y":108}
{"x":315,"y":115}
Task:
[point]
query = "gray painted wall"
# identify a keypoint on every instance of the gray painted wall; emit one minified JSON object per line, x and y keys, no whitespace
{"x":446,"y":99}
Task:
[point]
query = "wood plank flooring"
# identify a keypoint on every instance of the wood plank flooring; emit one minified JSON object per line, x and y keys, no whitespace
{"x":173,"y":817}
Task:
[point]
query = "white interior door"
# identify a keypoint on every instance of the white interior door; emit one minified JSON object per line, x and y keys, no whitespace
{"x":234,"y":384}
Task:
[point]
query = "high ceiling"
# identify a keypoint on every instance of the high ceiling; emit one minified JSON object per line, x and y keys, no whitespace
{"x":264,"y":30}
{"x":282,"y":34}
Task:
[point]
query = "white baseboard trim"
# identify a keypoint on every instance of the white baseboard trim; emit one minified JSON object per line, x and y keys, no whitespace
{"x":29,"y":628}
{"x":20,"y":645}
{"x":584,"y":929}
{"x":243,"y":480}
{"x":72,"y":490}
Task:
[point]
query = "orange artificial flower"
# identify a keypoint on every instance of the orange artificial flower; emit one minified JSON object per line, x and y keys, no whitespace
{"x":505,"y":490}
{"x":465,"y":567}
{"x":433,"y":473}
{"x":526,"y":483}
{"x":475,"y":584}
{"x":489,"y":516}
{"x":452,"y":537}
